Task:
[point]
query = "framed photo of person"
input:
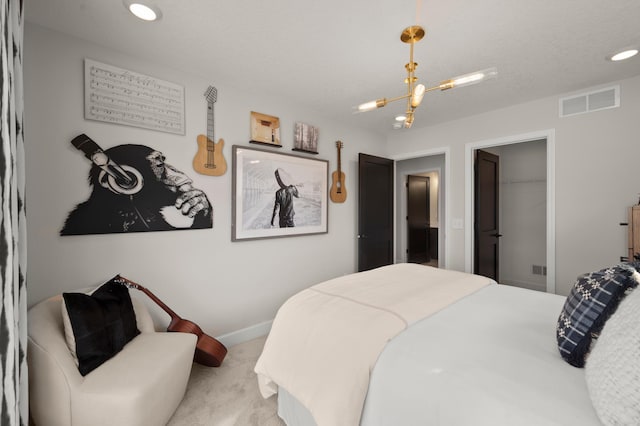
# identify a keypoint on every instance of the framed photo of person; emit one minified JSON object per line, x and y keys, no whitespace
{"x":277,"y":195}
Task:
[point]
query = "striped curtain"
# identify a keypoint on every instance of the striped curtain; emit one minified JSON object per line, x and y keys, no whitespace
{"x":13,"y":236}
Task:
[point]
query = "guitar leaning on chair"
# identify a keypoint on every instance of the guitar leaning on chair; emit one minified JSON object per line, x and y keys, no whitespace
{"x":209,"y":159}
{"x":209,"y":351}
{"x":338,"y":193}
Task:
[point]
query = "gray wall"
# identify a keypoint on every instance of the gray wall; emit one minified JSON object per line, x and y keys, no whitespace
{"x":221,"y":285}
{"x":225,"y":286}
{"x":596,"y":173}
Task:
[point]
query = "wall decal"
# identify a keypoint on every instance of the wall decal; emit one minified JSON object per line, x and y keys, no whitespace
{"x":209,"y":159}
{"x":277,"y":195}
{"x":338,"y":191}
{"x":134,"y":190}
{"x":118,"y":96}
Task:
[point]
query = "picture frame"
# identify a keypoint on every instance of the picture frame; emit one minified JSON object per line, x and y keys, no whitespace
{"x":265,"y":129}
{"x":305,"y":138}
{"x":120,"y":96}
{"x":277,"y":195}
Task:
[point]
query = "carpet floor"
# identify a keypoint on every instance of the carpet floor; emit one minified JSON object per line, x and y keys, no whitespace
{"x":227,"y":395}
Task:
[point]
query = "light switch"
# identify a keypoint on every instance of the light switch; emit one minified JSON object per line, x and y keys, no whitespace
{"x":456,"y":224}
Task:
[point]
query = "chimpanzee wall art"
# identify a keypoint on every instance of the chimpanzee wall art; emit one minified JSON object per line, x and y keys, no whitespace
{"x":134,"y":190}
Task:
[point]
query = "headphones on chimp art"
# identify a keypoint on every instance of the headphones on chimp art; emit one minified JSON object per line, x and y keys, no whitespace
{"x":121,"y":179}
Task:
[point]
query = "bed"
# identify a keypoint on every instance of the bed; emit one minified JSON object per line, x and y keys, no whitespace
{"x":409,"y":345}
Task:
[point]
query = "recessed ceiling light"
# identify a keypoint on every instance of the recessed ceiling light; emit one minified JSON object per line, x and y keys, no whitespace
{"x":401,"y":117}
{"x":625,"y":54}
{"x":143,"y":11}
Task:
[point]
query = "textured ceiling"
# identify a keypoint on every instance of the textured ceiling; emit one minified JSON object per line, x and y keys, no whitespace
{"x":334,"y":54}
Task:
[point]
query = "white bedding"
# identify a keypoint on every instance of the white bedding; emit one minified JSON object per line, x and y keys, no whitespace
{"x":488,"y":359}
{"x":325,"y":340}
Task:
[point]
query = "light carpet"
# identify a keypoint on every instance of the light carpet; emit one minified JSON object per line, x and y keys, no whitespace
{"x":227,"y":395}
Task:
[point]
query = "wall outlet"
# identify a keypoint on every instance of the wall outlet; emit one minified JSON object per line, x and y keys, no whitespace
{"x":456,"y":224}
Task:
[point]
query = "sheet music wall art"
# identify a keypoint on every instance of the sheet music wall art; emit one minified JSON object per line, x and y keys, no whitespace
{"x":135,"y":190}
{"x":115,"y":95}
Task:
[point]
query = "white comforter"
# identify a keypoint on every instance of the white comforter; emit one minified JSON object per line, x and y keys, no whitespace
{"x":490,"y":359}
{"x":326,"y":339}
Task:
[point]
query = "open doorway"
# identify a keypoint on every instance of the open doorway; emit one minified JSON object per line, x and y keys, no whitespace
{"x":525,"y":210}
{"x":431,"y":225}
{"x":421,"y":246}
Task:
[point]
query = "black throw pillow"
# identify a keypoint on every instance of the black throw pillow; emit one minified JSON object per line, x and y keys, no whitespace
{"x":103,"y":323}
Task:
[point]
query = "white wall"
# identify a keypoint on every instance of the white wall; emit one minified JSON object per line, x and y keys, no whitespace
{"x":226,"y":286}
{"x":596,"y":173}
{"x":201,"y":274}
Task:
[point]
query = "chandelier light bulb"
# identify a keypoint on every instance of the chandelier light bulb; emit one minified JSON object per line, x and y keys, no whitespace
{"x":367,"y":106}
{"x":474,"y":77}
{"x":468,"y":79}
{"x":418,"y":94}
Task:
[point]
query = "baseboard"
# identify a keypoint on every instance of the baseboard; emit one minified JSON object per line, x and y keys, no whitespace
{"x":245,"y":334}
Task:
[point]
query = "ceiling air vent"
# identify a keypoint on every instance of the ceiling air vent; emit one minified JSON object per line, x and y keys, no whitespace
{"x":591,"y":101}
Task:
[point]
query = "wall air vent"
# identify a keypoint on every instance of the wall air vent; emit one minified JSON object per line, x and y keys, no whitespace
{"x":595,"y":100}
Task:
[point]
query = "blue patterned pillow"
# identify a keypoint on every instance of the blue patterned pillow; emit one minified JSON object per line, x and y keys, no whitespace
{"x":593,"y":298}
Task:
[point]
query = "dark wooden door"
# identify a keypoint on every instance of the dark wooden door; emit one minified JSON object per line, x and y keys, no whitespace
{"x":486,"y":218}
{"x":418,"y":222}
{"x":375,"y":212}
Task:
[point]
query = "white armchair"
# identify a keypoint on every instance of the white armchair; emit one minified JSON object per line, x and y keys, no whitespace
{"x":141,"y":385}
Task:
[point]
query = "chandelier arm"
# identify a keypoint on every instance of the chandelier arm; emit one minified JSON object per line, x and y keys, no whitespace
{"x":411,"y":67}
{"x":398,"y":98}
{"x":431,"y":89}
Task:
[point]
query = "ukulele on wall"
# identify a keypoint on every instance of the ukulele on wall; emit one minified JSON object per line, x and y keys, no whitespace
{"x":209,"y":159}
{"x":209,"y":351}
{"x":338,"y":191}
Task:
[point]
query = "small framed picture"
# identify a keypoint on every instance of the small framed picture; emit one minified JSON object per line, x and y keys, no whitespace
{"x":305,"y":138}
{"x":265,"y":129}
{"x":277,"y":195}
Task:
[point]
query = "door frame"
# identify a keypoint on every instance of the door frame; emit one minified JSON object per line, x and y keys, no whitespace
{"x":443,"y":218}
{"x":549,"y":136}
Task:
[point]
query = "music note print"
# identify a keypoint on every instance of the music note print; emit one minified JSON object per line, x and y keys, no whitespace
{"x":120,"y":96}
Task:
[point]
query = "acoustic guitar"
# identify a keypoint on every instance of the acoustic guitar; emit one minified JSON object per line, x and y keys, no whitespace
{"x":209,"y":159}
{"x":209,"y":351}
{"x":338,"y":193}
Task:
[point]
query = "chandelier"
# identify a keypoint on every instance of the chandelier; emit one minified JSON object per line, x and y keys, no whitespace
{"x":415,"y":92}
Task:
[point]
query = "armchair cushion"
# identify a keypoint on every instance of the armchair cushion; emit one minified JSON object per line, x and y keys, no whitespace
{"x":98,"y":325}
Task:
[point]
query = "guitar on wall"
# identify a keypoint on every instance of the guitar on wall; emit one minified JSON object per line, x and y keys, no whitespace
{"x":209,"y":159}
{"x":209,"y":351}
{"x":338,"y":193}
